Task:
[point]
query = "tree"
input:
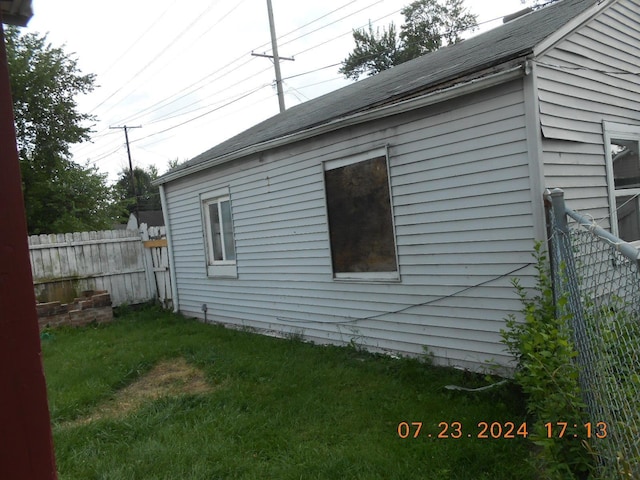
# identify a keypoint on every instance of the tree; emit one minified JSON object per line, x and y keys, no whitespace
{"x":148,"y":195}
{"x":428,"y":25}
{"x":171,"y":164}
{"x":60,"y":195}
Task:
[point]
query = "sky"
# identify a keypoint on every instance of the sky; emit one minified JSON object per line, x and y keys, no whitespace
{"x":184,"y":71}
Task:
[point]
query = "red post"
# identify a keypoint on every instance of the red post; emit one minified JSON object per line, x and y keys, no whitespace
{"x":26,"y":445}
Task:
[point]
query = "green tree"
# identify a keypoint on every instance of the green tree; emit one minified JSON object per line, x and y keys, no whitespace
{"x":428,"y":25}
{"x":60,"y":195}
{"x":148,"y":195}
{"x":171,"y":164}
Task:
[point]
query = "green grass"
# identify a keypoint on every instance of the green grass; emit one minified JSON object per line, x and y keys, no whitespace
{"x":278,"y":409}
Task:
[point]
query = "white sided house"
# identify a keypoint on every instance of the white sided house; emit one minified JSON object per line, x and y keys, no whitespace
{"x":393,"y":213}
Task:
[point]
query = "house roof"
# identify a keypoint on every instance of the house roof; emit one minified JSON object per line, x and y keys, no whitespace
{"x":514,"y":40}
{"x":16,"y":12}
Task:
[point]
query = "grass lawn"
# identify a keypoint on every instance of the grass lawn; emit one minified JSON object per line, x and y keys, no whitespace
{"x":157,"y":396}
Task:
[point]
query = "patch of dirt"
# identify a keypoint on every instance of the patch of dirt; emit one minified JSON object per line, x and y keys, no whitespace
{"x":169,"y":378}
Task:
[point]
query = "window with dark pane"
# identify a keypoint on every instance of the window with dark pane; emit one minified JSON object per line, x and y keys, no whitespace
{"x":360,"y":218}
{"x":626,"y":174}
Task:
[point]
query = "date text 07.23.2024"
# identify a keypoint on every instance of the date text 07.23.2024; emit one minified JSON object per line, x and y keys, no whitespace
{"x":496,"y":430}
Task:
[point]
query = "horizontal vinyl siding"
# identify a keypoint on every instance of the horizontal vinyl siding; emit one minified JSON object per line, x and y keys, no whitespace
{"x":578,"y":90}
{"x":463,"y":217}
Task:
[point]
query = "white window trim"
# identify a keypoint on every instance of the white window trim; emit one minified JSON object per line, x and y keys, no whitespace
{"x":364,"y":276}
{"x":623,"y":132}
{"x":360,"y":157}
{"x":370,"y":276}
{"x":216,"y":268}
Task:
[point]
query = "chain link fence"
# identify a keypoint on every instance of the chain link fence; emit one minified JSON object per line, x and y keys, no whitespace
{"x":600,"y":276}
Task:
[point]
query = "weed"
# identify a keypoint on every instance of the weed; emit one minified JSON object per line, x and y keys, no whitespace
{"x":547,"y":373}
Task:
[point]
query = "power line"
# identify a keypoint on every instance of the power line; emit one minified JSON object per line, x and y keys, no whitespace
{"x":295,"y":92}
{"x":309,"y":23}
{"x":137,"y":40}
{"x":163,"y":119}
{"x":346,"y":33}
{"x":312,"y":71}
{"x":103,"y":156}
{"x":335,"y":79}
{"x":164,"y":103}
{"x":210,"y":28}
{"x":338,"y":20}
{"x":157,"y":104}
{"x":158,"y":55}
{"x":204,"y":114}
{"x":220,"y":74}
{"x":89,"y":144}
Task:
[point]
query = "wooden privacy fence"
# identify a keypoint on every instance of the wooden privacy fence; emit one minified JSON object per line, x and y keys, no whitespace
{"x":132,"y":266}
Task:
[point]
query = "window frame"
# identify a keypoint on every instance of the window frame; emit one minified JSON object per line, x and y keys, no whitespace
{"x":332,"y":164}
{"x":623,"y":132}
{"x":217,"y":268}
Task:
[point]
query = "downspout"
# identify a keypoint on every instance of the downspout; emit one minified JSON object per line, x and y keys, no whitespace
{"x":172,"y":263}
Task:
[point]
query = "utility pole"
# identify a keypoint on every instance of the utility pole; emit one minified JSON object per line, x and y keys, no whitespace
{"x":275,"y":56}
{"x":133,"y":178}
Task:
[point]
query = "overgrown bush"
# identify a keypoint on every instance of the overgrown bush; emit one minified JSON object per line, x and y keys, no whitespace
{"x":541,"y":343}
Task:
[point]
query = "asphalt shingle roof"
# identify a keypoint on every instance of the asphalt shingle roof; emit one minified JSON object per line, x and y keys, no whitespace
{"x":510,"y":41}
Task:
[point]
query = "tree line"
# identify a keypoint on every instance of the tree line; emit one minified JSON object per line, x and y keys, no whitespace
{"x":61,"y":195}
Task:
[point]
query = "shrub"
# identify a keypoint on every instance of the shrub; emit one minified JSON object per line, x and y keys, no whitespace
{"x":547,"y":373}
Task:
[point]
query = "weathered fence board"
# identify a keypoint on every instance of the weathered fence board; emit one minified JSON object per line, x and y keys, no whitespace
{"x":155,"y":245}
{"x":118,"y":261}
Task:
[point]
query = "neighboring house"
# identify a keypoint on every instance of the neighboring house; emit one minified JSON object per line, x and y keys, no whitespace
{"x":153,"y":218}
{"x":394,"y":212}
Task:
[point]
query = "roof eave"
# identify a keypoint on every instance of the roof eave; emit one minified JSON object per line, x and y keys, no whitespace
{"x":443,"y":92}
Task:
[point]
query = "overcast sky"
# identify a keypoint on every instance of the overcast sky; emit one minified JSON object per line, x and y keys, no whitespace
{"x":183,"y":70}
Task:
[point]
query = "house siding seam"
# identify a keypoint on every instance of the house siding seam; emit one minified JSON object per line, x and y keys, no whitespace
{"x":461,"y":195}
{"x":577,"y":92}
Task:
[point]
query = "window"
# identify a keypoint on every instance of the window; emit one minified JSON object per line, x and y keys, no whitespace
{"x":623,"y":169}
{"x":218,"y":230}
{"x":361,"y":229}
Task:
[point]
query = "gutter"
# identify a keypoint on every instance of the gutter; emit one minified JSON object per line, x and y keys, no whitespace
{"x":414,"y":103}
{"x":172,"y":263}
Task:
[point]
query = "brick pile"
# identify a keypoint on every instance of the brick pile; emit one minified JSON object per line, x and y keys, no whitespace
{"x":93,"y":306}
